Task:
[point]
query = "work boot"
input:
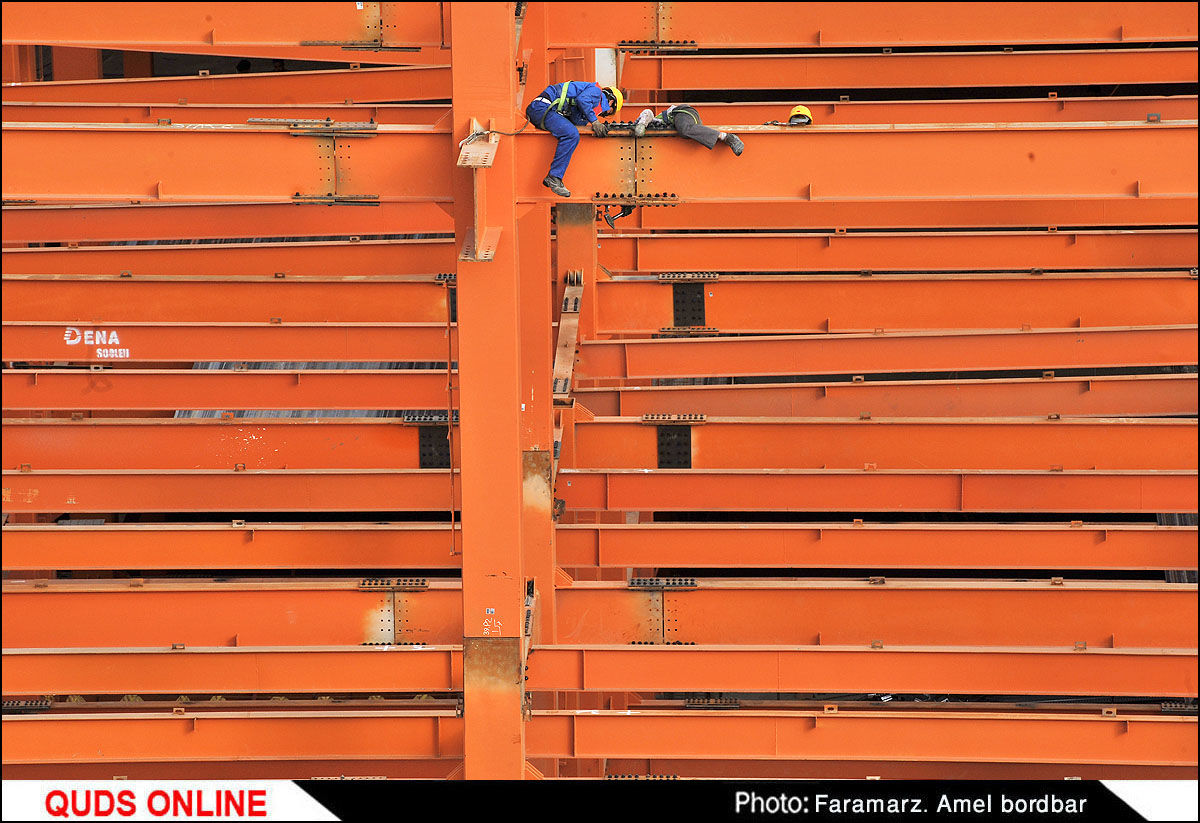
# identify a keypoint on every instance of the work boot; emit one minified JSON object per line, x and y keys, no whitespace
{"x":555,"y":184}
{"x":643,"y":120}
{"x":736,"y":144}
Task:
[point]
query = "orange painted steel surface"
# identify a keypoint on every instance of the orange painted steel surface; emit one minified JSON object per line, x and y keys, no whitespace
{"x":867,"y":735}
{"x":230,"y":491}
{"x":442,"y":768}
{"x":931,"y":735}
{"x":41,"y":224}
{"x":616,"y":489}
{"x":846,"y":770}
{"x":965,"y":670}
{"x":955,"y":670}
{"x":855,"y":303}
{"x":786,"y":215}
{"x":254,"y":443}
{"x":431,"y":769}
{"x":496,"y":488}
{"x":263,"y":341}
{"x":181,"y":27}
{"x":1131,"y":396}
{"x":843,"y":490}
{"x":900,"y":611}
{"x":214,"y":164}
{"x":909,"y":70}
{"x":916,"y":162}
{"x":297,"y":613}
{"x":240,"y":670}
{"x":223,"y":390}
{"x":831,"y":25}
{"x":842,"y":545}
{"x":427,"y":546}
{"x":337,"y":86}
{"x":906,"y":351}
{"x":259,"y":545}
{"x":340,"y":258}
{"x":1000,"y":110}
{"x":617,"y":443}
{"x":238,"y":736}
{"x":109,"y":298}
{"x":878,"y":252}
{"x":413,"y":114}
{"x":1032,"y":110}
{"x":896,"y":612}
{"x":789,"y":443}
{"x":1024,"y":236}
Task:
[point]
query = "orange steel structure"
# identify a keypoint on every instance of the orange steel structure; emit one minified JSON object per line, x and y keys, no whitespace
{"x":334,"y":443}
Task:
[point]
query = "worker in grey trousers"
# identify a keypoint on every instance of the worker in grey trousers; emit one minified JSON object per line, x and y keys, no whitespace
{"x":686,"y":121}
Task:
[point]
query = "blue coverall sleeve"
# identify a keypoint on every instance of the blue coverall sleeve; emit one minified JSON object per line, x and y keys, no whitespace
{"x":587,"y":100}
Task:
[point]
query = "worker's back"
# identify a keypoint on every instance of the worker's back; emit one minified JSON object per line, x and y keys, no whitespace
{"x":581,"y":96}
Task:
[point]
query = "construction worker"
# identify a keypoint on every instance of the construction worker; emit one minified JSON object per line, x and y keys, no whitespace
{"x":560,"y":109}
{"x":686,"y":121}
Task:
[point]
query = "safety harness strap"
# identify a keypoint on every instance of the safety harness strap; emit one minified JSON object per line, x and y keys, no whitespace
{"x":558,"y":105}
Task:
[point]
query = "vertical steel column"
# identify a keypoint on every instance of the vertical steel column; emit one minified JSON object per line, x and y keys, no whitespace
{"x":575,"y":225}
{"x":484,"y":82}
{"x":537,"y":418}
{"x":533,"y":51}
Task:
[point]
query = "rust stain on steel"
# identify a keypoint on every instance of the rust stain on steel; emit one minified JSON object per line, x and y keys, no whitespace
{"x":535,"y":473}
{"x":492,"y":663}
{"x":379,"y":621}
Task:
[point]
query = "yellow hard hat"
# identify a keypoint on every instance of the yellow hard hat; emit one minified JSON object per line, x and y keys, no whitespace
{"x":618,"y":99}
{"x":800,"y":111}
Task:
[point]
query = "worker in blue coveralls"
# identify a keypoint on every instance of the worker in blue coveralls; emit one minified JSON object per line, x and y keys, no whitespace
{"x":560,"y":109}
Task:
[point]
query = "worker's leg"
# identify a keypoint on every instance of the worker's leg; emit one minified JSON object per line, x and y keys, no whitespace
{"x":542,"y":118}
{"x":643,"y":120}
{"x":568,"y":138}
{"x":687,"y":123}
{"x":702,"y":134}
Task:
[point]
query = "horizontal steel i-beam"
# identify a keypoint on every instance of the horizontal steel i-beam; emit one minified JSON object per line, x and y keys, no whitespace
{"x":223,"y":389}
{"x":1113,"y":396}
{"x":1016,"y":110}
{"x":259,"y":89}
{"x":839,"y":490}
{"x":910,"y":70}
{"x":783,"y":304}
{"x":614,"y":443}
{"x":832,"y":251}
{"x":877,"y":490}
{"x":273,"y":340}
{"x":342,"y":258}
{"x":68,"y":224}
{"x":793,"y":612}
{"x":884,"y":352}
{"x":915,"y":163}
{"x":650,"y":545}
{"x":382,"y":734}
{"x":830,"y":25}
{"x":113,"y":298}
{"x":805,"y":669}
{"x":232,"y":490}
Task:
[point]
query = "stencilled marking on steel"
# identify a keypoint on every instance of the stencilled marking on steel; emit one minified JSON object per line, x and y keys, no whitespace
{"x":103,"y":339}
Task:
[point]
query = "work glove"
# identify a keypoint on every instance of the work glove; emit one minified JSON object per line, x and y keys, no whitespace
{"x":599,"y":129}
